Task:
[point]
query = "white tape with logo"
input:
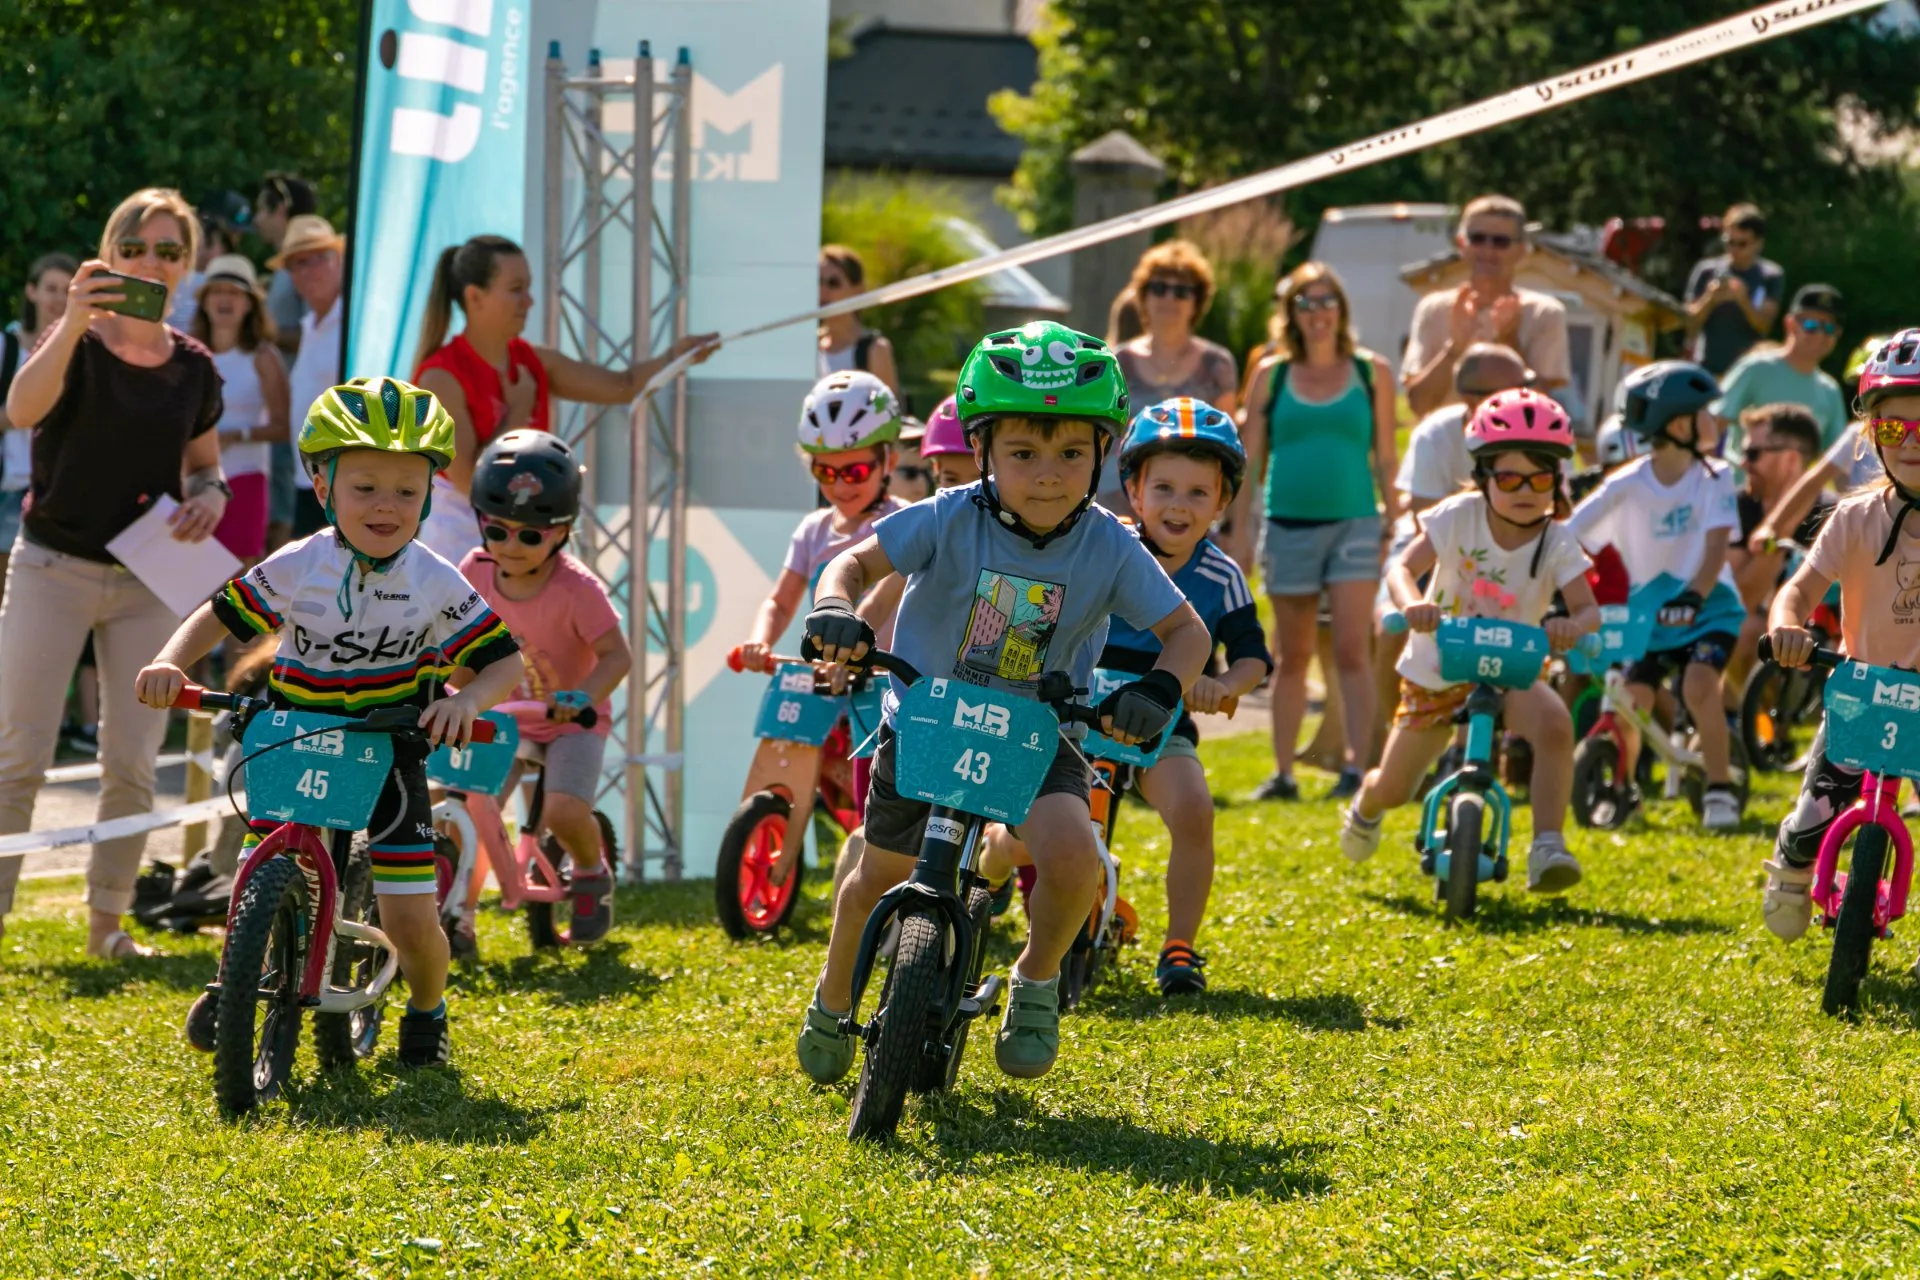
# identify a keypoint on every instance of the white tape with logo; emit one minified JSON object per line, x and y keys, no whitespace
{"x":114,"y":828}
{"x":1742,"y":31}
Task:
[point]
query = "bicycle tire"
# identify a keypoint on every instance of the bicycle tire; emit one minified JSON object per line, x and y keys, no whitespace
{"x":753,"y":834}
{"x":1464,"y":814}
{"x":937,"y":1075}
{"x":897,"y":1048}
{"x":249,"y":1070}
{"x":1853,"y":931}
{"x":1597,"y":783}
{"x":1764,"y":716}
{"x":344,"y":1039}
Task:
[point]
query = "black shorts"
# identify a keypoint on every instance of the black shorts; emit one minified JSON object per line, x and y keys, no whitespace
{"x":1713,"y":649}
{"x":896,"y":824}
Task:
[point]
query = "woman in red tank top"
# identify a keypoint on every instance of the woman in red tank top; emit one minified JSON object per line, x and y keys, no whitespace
{"x":491,"y":379}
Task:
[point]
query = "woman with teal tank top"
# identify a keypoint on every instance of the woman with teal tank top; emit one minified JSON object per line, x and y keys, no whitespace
{"x":1319,"y":429}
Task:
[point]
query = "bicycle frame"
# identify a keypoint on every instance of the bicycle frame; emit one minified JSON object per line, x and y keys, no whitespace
{"x":479,"y":824}
{"x":1620,"y":706}
{"x":304,"y":845}
{"x":1879,"y":805}
{"x":1475,"y":775}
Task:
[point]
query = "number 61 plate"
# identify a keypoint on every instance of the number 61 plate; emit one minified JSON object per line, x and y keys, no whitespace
{"x":1873,"y":719}
{"x":328,"y":778}
{"x":976,"y":750}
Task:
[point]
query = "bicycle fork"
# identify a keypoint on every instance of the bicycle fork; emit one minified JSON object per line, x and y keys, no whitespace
{"x":1878,"y":806}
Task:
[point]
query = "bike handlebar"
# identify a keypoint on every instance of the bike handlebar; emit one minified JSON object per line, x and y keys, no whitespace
{"x":403,"y":721}
{"x":1395,"y":622}
{"x":1827,"y":659}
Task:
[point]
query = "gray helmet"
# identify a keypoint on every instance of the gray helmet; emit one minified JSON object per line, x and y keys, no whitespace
{"x":1656,"y":394}
{"x":1614,"y":444}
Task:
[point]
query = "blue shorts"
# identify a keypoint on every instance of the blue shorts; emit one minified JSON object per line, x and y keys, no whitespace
{"x":11,"y":503}
{"x":1300,"y":560}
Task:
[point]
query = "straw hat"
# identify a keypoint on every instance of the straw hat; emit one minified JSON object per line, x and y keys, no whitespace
{"x":306,"y":233}
{"x":233,"y":269}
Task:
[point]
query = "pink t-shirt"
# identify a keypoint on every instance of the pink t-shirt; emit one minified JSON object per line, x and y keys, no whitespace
{"x":556,"y":628}
{"x":1879,"y":604}
{"x":815,"y":542}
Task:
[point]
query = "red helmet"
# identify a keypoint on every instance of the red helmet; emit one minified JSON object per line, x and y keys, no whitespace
{"x":1521,"y":419}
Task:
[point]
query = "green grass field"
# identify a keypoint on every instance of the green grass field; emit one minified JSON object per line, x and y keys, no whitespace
{"x":1635,"y":1081}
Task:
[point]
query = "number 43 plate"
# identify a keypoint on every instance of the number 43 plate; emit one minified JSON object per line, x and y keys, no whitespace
{"x":312,"y":771}
{"x":1873,"y":719}
{"x":971,"y":749}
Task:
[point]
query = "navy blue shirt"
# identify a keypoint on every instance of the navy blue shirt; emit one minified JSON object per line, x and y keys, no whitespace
{"x":1218,"y":592}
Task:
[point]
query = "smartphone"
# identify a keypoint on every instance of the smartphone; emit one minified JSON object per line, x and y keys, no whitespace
{"x":144,"y":299}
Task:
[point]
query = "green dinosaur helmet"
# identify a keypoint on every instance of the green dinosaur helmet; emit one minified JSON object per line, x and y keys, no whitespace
{"x":1043,"y":369}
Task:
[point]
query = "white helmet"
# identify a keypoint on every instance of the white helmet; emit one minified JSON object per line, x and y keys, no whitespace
{"x":1615,"y":444}
{"x":848,"y":410}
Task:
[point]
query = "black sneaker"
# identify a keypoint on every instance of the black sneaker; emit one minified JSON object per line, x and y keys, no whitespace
{"x":1280,"y":786}
{"x":84,"y":740}
{"x":592,"y":897}
{"x":1000,"y":900}
{"x":1348,"y":785}
{"x":1181,"y":970}
{"x":423,"y":1039}
{"x":202,"y":1019}
{"x":462,"y":946}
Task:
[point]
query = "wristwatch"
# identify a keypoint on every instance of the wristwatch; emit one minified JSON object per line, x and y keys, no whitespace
{"x":226,"y":490}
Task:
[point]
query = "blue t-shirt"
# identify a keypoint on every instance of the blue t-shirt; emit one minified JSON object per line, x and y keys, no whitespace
{"x":984,"y":606}
{"x":1218,"y":592}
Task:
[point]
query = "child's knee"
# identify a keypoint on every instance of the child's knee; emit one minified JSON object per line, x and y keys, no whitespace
{"x":562,"y":810}
{"x":1702,"y":681}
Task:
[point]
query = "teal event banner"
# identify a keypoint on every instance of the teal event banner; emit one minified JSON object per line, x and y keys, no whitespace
{"x":441,"y":154}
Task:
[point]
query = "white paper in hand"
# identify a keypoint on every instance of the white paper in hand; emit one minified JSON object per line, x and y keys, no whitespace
{"x":182,"y":574}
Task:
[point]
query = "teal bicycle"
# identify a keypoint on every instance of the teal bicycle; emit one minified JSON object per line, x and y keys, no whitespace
{"x":1456,"y":846}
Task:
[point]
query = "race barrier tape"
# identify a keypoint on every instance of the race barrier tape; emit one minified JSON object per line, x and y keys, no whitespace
{"x":1755,"y":26}
{"x":114,"y":828}
{"x":65,"y":773}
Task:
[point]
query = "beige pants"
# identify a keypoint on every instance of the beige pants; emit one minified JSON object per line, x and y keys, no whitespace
{"x":52,"y":602}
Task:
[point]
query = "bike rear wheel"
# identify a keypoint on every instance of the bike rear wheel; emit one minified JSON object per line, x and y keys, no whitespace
{"x":897,"y":1035}
{"x":1599,"y":783}
{"x":343,"y":1039}
{"x":1464,"y":816}
{"x":746,"y":902}
{"x":550,"y":924}
{"x":258,"y":1025}
{"x":1854,"y":931}
{"x":1779,"y":714}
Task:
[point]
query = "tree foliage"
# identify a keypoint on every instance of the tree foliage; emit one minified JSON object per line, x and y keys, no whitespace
{"x":103,"y":97}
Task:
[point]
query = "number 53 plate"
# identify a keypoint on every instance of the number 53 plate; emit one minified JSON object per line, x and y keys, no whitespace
{"x":1507,"y":655}
{"x":976,"y":750}
{"x":328,"y":778}
{"x":1873,"y":719}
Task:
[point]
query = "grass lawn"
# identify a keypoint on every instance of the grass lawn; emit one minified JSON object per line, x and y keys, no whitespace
{"x":1635,"y":1081}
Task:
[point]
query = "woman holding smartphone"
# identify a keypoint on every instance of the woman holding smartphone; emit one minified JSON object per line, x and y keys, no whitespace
{"x":123,"y":410}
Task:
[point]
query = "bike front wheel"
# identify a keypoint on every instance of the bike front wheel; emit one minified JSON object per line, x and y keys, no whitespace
{"x":897,"y":1036}
{"x":1599,"y":783}
{"x":1855,"y":930}
{"x":258,"y":1024}
{"x":939,"y":1073}
{"x":745,"y":899}
{"x":1464,"y":817}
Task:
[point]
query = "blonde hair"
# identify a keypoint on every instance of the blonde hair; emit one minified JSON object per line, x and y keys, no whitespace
{"x":1173,"y":257}
{"x":1284,"y":331}
{"x":130,"y":214}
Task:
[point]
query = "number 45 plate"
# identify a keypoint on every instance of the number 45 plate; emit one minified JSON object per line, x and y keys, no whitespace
{"x":976,"y":750}
{"x":313,"y":771}
{"x":1873,"y":719}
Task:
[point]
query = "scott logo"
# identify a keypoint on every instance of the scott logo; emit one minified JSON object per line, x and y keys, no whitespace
{"x":983,"y":718}
{"x":1904,"y":696}
{"x":331,"y":743}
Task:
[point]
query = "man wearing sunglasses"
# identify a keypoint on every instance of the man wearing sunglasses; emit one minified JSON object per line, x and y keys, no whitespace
{"x":1734,"y":298}
{"x":1489,"y":307}
{"x":1791,"y":374}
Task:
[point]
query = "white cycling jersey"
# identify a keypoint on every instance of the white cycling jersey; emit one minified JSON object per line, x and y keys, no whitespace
{"x":351,"y":640}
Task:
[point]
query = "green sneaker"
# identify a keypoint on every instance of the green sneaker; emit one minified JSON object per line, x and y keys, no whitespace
{"x":826,"y":1052}
{"x":1030,"y":1031}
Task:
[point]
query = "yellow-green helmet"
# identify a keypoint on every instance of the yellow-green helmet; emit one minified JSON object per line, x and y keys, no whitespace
{"x":377,"y":413}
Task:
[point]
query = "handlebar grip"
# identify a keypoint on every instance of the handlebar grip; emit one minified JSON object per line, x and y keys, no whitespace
{"x":1229,"y":705}
{"x":1592,"y":645}
{"x":189,"y":698}
{"x":1394,"y":623}
{"x":483,"y":730}
{"x":587,"y":718}
{"x":735,"y":662}
{"x":196,"y":698}
{"x":1824,"y":658}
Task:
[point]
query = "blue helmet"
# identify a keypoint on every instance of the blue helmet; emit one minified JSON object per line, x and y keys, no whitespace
{"x":1655,"y":394}
{"x":1184,"y":425}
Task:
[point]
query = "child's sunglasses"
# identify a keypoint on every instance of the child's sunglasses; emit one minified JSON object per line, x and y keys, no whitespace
{"x":852,"y":473}
{"x":1514,"y":481}
{"x":1889,"y":433}
{"x":133,"y":249}
{"x":527,"y":535}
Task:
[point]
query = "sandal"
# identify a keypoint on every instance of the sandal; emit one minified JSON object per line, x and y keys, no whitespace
{"x":120,"y":945}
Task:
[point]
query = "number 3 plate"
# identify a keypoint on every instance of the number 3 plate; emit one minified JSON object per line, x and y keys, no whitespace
{"x":330,"y":779}
{"x":976,"y":750}
{"x":1873,"y":719}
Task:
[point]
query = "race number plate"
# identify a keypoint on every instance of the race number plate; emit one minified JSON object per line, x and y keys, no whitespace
{"x":972,"y":749}
{"x":481,"y":768}
{"x":791,"y":711}
{"x":1099,"y":745}
{"x":1507,"y":655}
{"x":1624,"y":632}
{"x":1873,"y":719}
{"x":312,"y":771}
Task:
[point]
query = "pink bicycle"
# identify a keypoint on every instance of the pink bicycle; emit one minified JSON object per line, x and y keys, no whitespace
{"x":533,"y":872}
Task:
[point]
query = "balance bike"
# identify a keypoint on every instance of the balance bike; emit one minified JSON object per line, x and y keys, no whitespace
{"x":310,"y":880}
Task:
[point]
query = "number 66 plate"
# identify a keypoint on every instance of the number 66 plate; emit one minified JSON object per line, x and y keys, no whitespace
{"x":313,"y":772}
{"x":976,"y":750}
{"x":1873,"y":719}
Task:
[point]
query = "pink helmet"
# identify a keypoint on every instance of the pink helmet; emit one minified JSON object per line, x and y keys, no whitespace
{"x":1522,"y":419}
{"x":1893,"y":370}
{"x":945,"y":435}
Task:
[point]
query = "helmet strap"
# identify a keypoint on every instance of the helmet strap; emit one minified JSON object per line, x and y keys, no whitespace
{"x":358,"y":558}
{"x":1909,"y":502}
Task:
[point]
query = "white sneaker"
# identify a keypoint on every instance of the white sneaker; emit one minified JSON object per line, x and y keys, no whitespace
{"x":1788,"y":905}
{"x":1359,"y":836}
{"x":1550,"y":868}
{"x":1719,"y":810}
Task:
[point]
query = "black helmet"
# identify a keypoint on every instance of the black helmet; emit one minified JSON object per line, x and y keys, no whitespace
{"x":1656,"y":394}
{"x":529,"y":477}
